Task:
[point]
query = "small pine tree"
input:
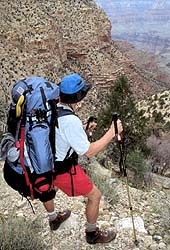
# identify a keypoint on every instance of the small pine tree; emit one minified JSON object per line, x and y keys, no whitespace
{"x":121,"y":100}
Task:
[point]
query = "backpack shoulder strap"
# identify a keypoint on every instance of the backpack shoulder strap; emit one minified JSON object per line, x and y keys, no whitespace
{"x":28,"y":183}
{"x":61,"y":111}
{"x":53,"y":123}
{"x":29,"y":86}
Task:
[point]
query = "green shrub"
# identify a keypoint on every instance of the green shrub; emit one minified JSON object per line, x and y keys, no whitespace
{"x":161,"y":102}
{"x":121,"y":100}
{"x":18,"y":234}
{"x":154,"y":106}
{"x":158,"y":117}
{"x":167,"y":126}
{"x":155,"y":97}
{"x":135,"y":162}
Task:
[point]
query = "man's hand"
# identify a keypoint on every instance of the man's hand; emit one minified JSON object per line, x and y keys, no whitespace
{"x":90,"y":126}
{"x":119,"y":127}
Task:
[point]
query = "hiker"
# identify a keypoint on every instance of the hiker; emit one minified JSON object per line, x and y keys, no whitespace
{"x":71,"y":141}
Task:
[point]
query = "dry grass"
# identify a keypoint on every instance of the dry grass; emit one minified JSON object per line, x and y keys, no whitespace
{"x":18,"y":233}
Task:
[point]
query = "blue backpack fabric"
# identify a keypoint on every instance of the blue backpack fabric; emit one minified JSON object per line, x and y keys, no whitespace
{"x":37,"y":91}
{"x":38,"y":119}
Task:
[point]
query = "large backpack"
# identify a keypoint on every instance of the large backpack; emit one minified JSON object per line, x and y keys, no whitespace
{"x":32,"y":120}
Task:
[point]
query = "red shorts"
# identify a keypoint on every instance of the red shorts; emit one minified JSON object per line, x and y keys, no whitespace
{"x":82,"y":185}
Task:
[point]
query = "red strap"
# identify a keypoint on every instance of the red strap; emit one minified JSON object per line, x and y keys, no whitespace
{"x":22,"y":161}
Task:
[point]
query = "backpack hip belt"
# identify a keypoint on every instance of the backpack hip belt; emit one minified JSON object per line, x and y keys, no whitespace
{"x":62,"y":167}
{"x":37,"y":119}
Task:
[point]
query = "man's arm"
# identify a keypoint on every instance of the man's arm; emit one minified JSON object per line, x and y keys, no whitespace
{"x":99,"y":145}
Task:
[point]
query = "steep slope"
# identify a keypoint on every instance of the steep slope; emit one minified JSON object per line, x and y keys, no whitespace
{"x":154,"y":66}
{"x":152,"y":221}
{"x":157,"y":104}
{"x":54,"y":38}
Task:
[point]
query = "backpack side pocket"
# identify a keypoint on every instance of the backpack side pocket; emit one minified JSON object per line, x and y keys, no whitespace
{"x":39,"y":148}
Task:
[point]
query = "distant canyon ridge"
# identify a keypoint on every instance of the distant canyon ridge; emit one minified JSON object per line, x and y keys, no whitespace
{"x":145,"y":24}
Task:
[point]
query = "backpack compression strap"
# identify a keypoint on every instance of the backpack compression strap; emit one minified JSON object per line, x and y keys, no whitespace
{"x":20,"y":112}
{"x":23,"y":118}
{"x":22,"y":161}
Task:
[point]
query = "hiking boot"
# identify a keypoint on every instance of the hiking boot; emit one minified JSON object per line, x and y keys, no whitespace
{"x":61,"y":217}
{"x":99,"y":236}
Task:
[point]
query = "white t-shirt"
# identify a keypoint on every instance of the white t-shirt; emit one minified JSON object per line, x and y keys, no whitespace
{"x":70,"y":133}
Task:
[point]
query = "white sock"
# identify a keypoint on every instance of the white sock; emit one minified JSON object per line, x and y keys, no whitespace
{"x":90,"y":227}
{"x":52,"y":215}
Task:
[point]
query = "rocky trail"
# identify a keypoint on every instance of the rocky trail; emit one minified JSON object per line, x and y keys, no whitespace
{"x":52,"y":39}
{"x":151,"y":213}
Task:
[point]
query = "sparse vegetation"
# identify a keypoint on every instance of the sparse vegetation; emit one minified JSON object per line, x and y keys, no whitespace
{"x":161,"y":102}
{"x":167,"y":126}
{"x":160,"y":152}
{"x":18,"y":233}
{"x":4,"y":102}
{"x":136,"y":162}
{"x":155,"y":97}
{"x":156,"y":107}
{"x":105,"y":187}
{"x":158,"y":117}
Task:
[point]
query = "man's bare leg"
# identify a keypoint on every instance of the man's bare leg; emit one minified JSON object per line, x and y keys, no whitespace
{"x":92,"y":208}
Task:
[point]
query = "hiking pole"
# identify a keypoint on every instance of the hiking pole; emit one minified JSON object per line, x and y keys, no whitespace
{"x":89,"y":135}
{"x":123,"y":167}
{"x":91,"y":119}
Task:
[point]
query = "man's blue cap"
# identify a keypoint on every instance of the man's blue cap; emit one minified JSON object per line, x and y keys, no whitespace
{"x":73,"y":88}
{"x":71,"y":84}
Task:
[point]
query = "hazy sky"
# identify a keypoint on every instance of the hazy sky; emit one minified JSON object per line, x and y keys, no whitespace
{"x":139,"y":20}
{"x":118,"y":7}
